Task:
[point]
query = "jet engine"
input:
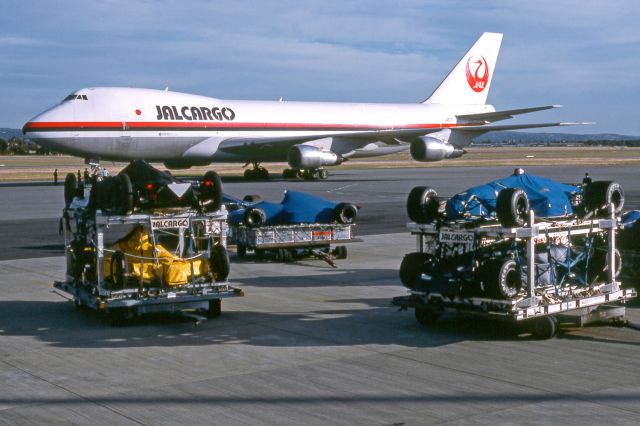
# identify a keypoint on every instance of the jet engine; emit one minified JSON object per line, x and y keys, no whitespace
{"x":177,"y":164}
{"x":431,"y":149}
{"x":310,"y":157}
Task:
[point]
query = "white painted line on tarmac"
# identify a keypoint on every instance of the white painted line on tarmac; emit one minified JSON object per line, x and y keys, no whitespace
{"x":343,"y":187}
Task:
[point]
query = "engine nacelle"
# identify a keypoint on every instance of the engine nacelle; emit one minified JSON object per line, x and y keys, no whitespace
{"x":177,"y":164}
{"x":431,"y":149}
{"x":310,"y":157}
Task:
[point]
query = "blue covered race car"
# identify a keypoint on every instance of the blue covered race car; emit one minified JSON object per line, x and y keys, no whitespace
{"x":509,"y":199}
{"x":296,"y":207}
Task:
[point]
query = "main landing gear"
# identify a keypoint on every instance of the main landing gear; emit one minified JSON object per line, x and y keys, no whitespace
{"x":306,"y":174}
{"x":258,"y":172}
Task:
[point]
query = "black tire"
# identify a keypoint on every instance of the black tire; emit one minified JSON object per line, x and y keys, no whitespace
{"x":598,"y":269}
{"x":241,"y":250}
{"x":323,"y":174}
{"x":422,"y":204}
{"x":262,"y":173}
{"x":219,"y":263}
{"x":119,"y":270}
{"x":426,"y":316}
{"x":252,"y":198}
{"x":215,"y":308}
{"x":283,"y":255}
{"x":345,"y":213}
{"x":287,"y":255}
{"x":260,"y":253}
{"x":70,"y":188}
{"x":123,"y":194}
{"x":544,"y":327}
{"x":254,"y":217}
{"x":340,"y":252}
{"x":278,"y":255}
{"x":119,"y":317}
{"x":413,"y":265}
{"x":211,"y":191}
{"x":598,"y":195}
{"x":311,"y":174}
{"x":97,"y":199}
{"x":512,"y":207}
{"x":502,"y":279}
{"x":113,"y":194}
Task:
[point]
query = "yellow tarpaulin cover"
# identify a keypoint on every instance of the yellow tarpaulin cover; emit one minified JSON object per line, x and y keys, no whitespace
{"x":173,"y":269}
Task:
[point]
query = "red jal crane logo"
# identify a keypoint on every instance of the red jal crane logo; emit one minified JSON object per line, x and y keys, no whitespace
{"x":477,"y":73}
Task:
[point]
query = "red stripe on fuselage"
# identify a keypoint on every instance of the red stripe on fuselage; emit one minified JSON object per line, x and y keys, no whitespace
{"x":155,"y":125}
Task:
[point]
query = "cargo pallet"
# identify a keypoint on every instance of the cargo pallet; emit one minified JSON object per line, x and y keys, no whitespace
{"x":285,"y":242}
{"x":196,"y":235}
{"x":542,"y":305}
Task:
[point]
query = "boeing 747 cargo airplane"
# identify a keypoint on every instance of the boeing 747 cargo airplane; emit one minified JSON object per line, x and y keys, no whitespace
{"x":181,"y":130}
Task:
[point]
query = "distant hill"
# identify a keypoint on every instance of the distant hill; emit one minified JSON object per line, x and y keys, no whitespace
{"x":524,"y":138}
{"x":7,"y":134}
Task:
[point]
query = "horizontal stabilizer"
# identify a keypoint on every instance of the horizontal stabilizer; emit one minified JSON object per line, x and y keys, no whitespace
{"x":503,"y":115}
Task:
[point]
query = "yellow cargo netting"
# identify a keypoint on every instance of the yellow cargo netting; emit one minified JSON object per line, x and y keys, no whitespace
{"x":172,"y":269}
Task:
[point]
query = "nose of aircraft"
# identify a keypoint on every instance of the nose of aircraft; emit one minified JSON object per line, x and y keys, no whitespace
{"x":50,"y":118}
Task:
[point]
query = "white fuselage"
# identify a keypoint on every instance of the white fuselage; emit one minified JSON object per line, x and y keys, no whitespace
{"x":128,"y":123}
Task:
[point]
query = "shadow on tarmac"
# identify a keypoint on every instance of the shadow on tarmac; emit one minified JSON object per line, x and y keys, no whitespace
{"x":62,"y":325}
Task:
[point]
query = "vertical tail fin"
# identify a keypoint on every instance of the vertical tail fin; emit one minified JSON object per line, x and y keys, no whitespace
{"x":469,"y":81}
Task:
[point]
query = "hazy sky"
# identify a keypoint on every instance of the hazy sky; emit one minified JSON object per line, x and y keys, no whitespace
{"x":582,"y":54}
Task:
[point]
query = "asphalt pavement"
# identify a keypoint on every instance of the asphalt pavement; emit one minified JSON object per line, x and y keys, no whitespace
{"x":307,"y":344}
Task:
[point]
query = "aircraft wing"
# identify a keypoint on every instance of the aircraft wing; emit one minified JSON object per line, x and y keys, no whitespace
{"x":488,"y":128}
{"x":355,"y":140}
{"x":272,"y":148}
{"x":502,"y":115}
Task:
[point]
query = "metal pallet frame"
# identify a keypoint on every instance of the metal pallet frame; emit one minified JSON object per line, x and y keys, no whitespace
{"x":97,"y":295}
{"x":573,"y":299}
{"x":304,"y":235}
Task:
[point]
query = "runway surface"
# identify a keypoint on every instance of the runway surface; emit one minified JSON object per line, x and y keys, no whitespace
{"x":29,"y":214}
{"x":308,"y":343}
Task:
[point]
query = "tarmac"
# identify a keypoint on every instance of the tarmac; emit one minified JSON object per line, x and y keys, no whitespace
{"x":308,"y":344}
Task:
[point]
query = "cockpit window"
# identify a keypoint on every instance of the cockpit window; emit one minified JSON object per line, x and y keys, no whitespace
{"x":74,"y":96}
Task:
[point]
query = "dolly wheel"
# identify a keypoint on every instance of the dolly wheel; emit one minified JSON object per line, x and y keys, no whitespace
{"x":426,"y":316}
{"x":215,"y":308}
{"x":118,"y":317}
{"x":545,"y":327}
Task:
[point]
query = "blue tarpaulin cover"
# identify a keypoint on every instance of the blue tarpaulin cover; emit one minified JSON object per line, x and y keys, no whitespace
{"x":296,"y":207}
{"x":547,"y":197}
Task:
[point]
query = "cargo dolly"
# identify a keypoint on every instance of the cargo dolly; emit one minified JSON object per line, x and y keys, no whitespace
{"x":531,"y":275}
{"x":286,"y":242}
{"x":176,"y":263}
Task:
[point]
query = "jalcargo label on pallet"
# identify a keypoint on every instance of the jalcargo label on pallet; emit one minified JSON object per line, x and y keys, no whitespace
{"x":322,"y":235}
{"x":458,"y":237}
{"x":174,"y":222}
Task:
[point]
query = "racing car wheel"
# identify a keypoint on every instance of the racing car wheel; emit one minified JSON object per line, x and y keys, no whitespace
{"x":423,"y":204}
{"x":254,"y":217}
{"x":598,"y":195}
{"x":512,"y":207}
{"x":413,"y":265}
{"x":219,"y":263}
{"x":211,"y":191}
{"x":501,"y":278}
{"x":345,"y":213}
